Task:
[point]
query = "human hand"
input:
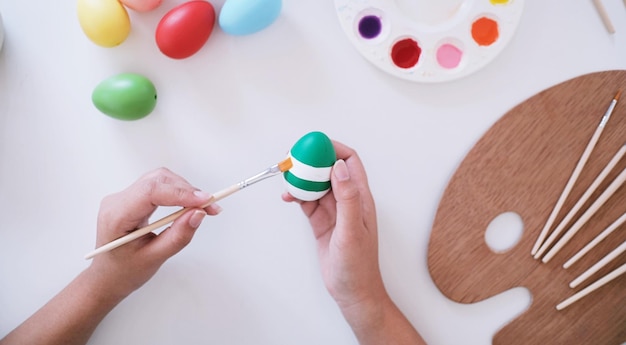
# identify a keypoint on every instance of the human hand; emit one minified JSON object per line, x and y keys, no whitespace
{"x":344,"y":225}
{"x":128,"y":267}
{"x":113,"y":275}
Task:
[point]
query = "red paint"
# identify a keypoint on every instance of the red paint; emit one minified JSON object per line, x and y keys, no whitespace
{"x":406,"y":53}
{"x":185,"y":29}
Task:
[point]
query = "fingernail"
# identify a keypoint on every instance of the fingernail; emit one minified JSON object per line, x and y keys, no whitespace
{"x":202,"y":195}
{"x":196,"y":218}
{"x":341,"y":170}
{"x":215,"y":208}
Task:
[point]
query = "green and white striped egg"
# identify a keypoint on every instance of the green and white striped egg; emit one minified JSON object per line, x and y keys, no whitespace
{"x":313,"y":157}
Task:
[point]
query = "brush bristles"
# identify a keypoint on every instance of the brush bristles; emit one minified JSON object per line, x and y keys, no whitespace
{"x":285,"y":164}
{"x":619,"y":93}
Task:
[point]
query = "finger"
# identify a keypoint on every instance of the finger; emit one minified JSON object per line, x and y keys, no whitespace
{"x":131,"y":208}
{"x":308,"y":207}
{"x":176,"y":195}
{"x":173,"y":239}
{"x":352,"y":159}
{"x":357,"y":172}
{"x":161,"y":188}
{"x":213,"y":209}
{"x":342,"y":150}
{"x":348,"y":196}
{"x":290,"y":198}
{"x":165,"y":175}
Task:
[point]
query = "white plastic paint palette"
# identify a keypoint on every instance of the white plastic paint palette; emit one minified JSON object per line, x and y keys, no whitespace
{"x":429,"y":40}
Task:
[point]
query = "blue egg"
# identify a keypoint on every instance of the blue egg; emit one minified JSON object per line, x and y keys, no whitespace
{"x":244,"y":17}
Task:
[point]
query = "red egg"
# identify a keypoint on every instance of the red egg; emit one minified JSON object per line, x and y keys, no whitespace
{"x":185,"y":29}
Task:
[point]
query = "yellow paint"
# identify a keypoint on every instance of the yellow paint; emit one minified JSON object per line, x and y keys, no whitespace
{"x":499,"y":2}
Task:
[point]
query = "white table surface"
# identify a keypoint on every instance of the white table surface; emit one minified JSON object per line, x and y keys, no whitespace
{"x":251,"y":275}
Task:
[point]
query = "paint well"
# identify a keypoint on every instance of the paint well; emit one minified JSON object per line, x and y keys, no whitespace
{"x":406,"y":53}
{"x":370,"y":26}
{"x":449,"y":56}
{"x":485,"y":31}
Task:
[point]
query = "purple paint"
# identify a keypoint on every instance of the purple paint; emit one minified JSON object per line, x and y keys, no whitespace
{"x":370,"y":26}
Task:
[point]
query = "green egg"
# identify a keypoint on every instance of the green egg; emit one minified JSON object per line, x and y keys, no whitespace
{"x":126,"y":96}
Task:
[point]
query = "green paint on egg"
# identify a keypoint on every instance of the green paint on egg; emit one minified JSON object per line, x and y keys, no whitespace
{"x":126,"y":96}
{"x":312,"y":186}
{"x":315,"y":149}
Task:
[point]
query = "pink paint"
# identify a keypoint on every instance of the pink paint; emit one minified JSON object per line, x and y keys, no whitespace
{"x":449,"y":56}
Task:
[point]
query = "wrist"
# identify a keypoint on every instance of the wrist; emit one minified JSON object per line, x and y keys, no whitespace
{"x":368,"y":312}
{"x":101,"y":288}
{"x":381,"y":322}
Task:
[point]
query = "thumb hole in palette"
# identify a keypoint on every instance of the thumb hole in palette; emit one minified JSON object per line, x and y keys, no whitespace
{"x":504,"y":232}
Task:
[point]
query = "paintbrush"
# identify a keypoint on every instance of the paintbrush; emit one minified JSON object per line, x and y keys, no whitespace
{"x":274,"y":170}
{"x":540,"y":246}
{"x":593,"y":287}
{"x":604,"y":16}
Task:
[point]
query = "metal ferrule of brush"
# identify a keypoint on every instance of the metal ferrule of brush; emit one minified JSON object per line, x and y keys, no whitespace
{"x":269,"y":172}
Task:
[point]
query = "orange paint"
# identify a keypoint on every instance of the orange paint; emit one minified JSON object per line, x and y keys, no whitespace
{"x":485,"y":31}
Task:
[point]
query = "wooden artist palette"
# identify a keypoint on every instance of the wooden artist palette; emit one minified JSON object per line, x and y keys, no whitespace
{"x":521,"y":165}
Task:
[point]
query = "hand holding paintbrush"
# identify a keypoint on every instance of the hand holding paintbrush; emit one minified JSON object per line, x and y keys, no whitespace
{"x":271,"y":171}
{"x":311,"y":158}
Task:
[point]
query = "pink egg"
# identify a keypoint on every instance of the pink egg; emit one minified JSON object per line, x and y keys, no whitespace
{"x":141,"y":5}
{"x":185,"y":29}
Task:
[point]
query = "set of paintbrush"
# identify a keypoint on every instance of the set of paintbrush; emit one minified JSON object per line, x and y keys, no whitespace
{"x":547,"y":245}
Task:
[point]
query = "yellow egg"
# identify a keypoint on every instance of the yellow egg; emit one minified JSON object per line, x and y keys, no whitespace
{"x":105,"y":22}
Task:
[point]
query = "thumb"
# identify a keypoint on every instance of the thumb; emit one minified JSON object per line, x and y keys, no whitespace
{"x":173,"y":239}
{"x":348,"y":196}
